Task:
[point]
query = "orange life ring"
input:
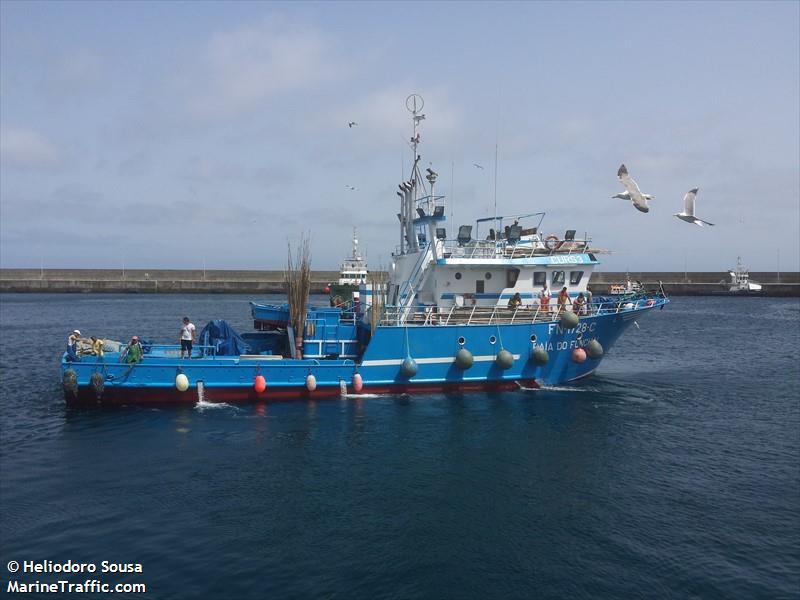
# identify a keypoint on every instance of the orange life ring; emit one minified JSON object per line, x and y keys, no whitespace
{"x":551,"y":242}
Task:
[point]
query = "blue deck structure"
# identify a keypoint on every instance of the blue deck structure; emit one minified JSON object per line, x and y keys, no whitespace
{"x":468,"y":313}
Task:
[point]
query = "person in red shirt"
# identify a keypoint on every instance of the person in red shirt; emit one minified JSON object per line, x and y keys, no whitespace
{"x":544,"y":299}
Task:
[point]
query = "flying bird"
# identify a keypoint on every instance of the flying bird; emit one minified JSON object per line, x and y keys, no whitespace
{"x":351,"y":187}
{"x":632,"y":191}
{"x":351,"y":124}
{"x":688,"y":209}
{"x":478,"y":166}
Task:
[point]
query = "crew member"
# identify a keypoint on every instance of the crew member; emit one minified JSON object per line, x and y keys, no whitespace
{"x":187,"y":337}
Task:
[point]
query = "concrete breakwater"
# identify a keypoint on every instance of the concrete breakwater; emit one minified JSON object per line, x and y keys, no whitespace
{"x":168,"y":281}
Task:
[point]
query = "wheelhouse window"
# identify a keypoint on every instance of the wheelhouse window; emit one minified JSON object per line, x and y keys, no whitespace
{"x":575,"y":277}
{"x":511,"y":277}
{"x":558,"y":278}
{"x":539,"y":278}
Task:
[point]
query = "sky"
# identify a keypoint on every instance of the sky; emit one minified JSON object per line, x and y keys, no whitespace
{"x":184,"y":134}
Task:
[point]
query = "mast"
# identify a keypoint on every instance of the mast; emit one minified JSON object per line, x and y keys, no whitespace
{"x":356,"y":255}
{"x":409,"y":189}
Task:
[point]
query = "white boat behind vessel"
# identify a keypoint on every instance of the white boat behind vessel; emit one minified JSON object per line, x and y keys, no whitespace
{"x":740,"y":280}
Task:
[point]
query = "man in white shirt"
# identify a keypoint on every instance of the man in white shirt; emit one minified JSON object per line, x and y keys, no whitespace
{"x":187,"y":337}
{"x":544,"y":299}
{"x":72,"y":345}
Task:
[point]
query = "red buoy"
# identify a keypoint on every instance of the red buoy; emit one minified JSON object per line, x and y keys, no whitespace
{"x":260,"y":384}
{"x":579,"y":355}
{"x":358,"y":382}
{"x":327,"y":289}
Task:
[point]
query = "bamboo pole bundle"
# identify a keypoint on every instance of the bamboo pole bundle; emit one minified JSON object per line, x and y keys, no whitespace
{"x":297,"y":279}
{"x":378,"y":284}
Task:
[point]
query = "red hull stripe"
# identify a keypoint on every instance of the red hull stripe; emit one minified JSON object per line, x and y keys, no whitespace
{"x":239,"y":395}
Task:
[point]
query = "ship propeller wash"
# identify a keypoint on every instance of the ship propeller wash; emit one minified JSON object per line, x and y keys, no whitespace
{"x":468,"y":311}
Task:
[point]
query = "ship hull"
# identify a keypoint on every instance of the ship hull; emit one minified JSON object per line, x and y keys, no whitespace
{"x":381,"y":369}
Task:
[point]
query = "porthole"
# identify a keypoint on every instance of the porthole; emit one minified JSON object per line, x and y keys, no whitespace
{"x":533,"y":338}
{"x":461,"y":341}
{"x":492,"y":340}
{"x":488,"y":275}
{"x":458,"y":275}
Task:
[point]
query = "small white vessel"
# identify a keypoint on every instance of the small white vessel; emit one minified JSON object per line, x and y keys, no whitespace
{"x":353,"y":271}
{"x":352,"y":274}
{"x":740,"y":280}
{"x":623,"y":289}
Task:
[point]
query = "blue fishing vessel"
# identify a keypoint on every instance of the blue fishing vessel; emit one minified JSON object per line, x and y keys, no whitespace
{"x":497,"y":305}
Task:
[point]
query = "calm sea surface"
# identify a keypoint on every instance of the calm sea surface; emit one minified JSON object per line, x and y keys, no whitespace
{"x":673,"y":473}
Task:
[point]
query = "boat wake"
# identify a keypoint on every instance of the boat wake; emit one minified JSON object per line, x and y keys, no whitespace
{"x":362,"y":396}
{"x":204,"y":405}
{"x":561,"y":388}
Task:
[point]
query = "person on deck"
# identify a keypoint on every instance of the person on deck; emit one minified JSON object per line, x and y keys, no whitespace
{"x":97,"y":347}
{"x":515,"y":301}
{"x":72,"y":345}
{"x":544,"y":299}
{"x":187,"y":337}
{"x":563,"y":300}
{"x":579,"y":305}
{"x":135,"y":352}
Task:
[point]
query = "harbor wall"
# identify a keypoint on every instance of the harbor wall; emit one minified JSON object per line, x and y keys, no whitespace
{"x":187,"y":281}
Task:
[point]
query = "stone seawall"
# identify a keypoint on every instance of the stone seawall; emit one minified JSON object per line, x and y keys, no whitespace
{"x":162,"y":281}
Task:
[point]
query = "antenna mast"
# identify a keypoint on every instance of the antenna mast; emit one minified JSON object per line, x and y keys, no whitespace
{"x":495,"y":181}
{"x":414,"y":104}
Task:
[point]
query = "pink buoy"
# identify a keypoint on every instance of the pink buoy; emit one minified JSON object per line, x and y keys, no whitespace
{"x":579,"y":355}
{"x":260,"y":384}
{"x":358,"y":382}
{"x":311,"y":382}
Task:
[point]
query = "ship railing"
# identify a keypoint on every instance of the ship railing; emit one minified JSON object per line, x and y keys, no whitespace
{"x":163,"y":350}
{"x":525,"y":248}
{"x":502,"y":315}
{"x":468,"y":315}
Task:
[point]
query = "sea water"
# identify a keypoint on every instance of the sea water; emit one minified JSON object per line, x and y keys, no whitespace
{"x":671,"y":473}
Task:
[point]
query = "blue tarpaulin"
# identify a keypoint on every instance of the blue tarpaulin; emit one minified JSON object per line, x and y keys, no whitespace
{"x":223,"y":338}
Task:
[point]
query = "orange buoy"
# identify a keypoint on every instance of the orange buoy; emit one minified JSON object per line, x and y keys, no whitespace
{"x":260,"y":384}
{"x":311,"y":382}
{"x":358,"y":382}
{"x":579,"y":355}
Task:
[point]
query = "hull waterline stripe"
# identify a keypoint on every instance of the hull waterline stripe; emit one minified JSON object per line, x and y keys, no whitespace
{"x":428,"y":361}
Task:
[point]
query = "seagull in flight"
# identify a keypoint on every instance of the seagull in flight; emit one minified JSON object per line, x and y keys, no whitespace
{"x":351,"y":124}
{"x":478,"y":166}
{"x":688,"y":209}
{"x":632,"y":191}
{"x":351,"y":187}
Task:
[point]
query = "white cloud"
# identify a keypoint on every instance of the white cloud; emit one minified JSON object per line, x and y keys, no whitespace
{"x":24,"y":148}
{"x":241,"y":69}
{"x":77,"y":71}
